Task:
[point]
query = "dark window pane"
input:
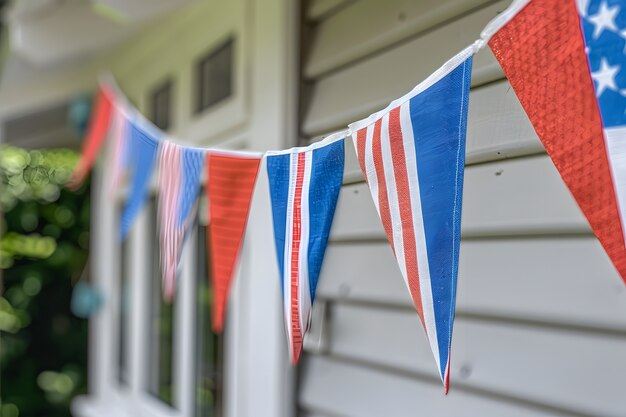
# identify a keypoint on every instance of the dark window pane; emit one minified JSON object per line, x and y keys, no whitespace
{"x":208,"y":344}
{"x":161,"y":105}
{"x":214,"y":75}
{"x":161,"y":331}
{"x":124,"y":298}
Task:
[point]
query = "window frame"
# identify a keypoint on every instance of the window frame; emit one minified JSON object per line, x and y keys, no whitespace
{"x":134,"y":398}
{"x":257,"y":374}
{"x":183,"y":325}
{"x":200,"y":82}
{"x":211,"y":123}
{"x":166,"y":86}
{"x":123,"y":344}
{"x":203,"y":263}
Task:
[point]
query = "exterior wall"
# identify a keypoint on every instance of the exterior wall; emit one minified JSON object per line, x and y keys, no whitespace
{"x":541,"y":323}
{"x":260,"y":115}
{"x":540,"y":327}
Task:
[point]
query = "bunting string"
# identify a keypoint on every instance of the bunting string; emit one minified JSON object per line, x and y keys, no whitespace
{"x":412,"y":156}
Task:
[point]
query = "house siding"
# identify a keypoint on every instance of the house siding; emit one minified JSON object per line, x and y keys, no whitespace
{"x":541,"y":312}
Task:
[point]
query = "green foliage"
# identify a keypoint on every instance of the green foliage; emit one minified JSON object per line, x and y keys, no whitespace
{"x":33,"y":175}
{"x":43,"y":250}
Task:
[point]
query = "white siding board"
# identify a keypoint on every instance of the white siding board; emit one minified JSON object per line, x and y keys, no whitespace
{"x":362,"y":272}
{"x":497,"y":126}
{"x":541,"y":310}
{"x":318,"y":9}
{"x":354,"y":92}
{"x":519,"y":196}
{"x":567,"y":281}
{"x":352,"y":171}
{"x":354,"y":391}
{"x":368,"y":26}
{"x":566,"y":369}
{"x":312,"y":414}
{"x":315,"y":414}
{"x":509,"y":197}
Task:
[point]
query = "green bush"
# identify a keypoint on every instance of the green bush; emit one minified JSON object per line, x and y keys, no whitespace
{"x":43,"y":251}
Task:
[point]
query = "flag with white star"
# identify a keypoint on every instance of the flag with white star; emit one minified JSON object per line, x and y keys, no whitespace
{"x":604,"y":30}
{"x":565,"y":60}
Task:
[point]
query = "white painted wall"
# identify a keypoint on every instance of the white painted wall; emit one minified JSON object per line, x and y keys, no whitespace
{"x":260,"y":115}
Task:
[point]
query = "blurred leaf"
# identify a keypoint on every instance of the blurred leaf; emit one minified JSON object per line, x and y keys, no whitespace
{"x":33,"y":175}
{"x":43,"y":246}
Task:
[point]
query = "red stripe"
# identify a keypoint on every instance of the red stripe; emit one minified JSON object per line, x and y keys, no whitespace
{"x":296,"y":331}
{"x":406,"y":211}
{"x":446,"y":376}
{"x":96,"y":134}
{"x":360,"y":149}
{"x":383,"y":201}
{"x":542,"y":53}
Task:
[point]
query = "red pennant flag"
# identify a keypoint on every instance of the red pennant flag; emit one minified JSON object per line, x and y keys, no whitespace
{"x":542,"y":53}
{"x":96,"y":133}
{"x":230,"y":184}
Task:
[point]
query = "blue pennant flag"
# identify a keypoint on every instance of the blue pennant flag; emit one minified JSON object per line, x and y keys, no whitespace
{"x":142,"y":156}
{"x":412,"y":155}
{"x":304,"y":187}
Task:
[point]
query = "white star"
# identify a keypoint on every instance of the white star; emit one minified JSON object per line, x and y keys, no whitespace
{"x":623,"y":35}
{"x":604,"y":19}
{"x":605,"y":77}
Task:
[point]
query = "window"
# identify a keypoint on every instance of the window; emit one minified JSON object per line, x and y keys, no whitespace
{"x":161,"y":105}
{"x":208,"y":344}
{"x":215,"y":76}
{"x":161,"y":326}
{"x":124,"y":298}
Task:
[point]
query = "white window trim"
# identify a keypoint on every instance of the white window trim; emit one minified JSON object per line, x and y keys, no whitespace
{"x":108,"y":397}
{"x":258,"y":379}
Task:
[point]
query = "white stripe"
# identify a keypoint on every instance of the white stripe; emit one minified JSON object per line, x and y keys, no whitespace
{"x":370,"y":169}
{"x":303,"y":276}
{"x":293,"y":169}
{"x":418,"y":227}
{"x":392,"y":197}
{"x":616,"y":150}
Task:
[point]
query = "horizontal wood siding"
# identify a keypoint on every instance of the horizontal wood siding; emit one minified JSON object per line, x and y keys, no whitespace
{"x":339,"y":387}
{"x":352,"y":92}
{"x":541,"y":312}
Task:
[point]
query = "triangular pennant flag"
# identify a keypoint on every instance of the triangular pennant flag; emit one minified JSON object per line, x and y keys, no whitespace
{"x":604,"y":40}
{"x":96,"y":134}
{"x":412,"y":155}
{"x":180,"y":171}
{"x":230,"y":183}
{"x":142,"y":151}
{"x":304,"y":187}
{"x":542,"y":52}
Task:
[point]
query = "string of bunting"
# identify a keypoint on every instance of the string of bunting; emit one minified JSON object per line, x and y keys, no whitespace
{"x":561,"y":58}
